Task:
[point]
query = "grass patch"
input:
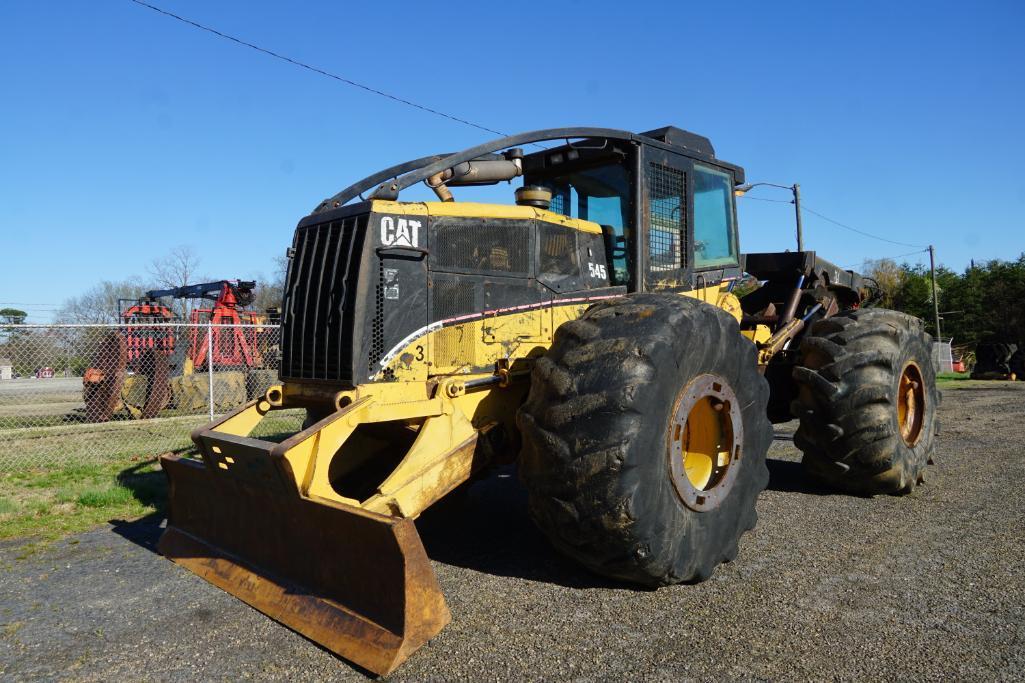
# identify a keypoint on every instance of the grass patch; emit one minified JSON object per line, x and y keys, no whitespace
{"x":50,"y":504}
{"x":963,"y":380}
{"x":12,"y":628}
{"x":28,"y":421}
{"x":105,"y":497}
{"x":52,"y":485}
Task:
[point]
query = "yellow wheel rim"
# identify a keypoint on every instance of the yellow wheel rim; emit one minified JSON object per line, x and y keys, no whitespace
{"x":705,"y":433}
{"x":911,"y":404}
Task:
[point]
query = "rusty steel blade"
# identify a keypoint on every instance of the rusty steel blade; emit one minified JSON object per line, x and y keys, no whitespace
{"x":355,"y":582}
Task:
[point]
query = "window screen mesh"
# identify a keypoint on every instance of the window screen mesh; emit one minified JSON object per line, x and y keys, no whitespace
{"x":668,"y":235}
{"x":472,"y":245}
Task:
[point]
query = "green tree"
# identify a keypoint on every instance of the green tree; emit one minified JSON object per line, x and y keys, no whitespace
{"x":12,"y":316}
{"x":984,"y":303}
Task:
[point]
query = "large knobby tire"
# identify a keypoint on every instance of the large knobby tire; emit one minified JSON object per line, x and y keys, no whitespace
{"x":607,"y":421}
{"x":867,"y":401}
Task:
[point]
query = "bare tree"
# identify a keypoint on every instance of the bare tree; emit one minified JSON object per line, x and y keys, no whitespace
{"x":99,"y":303}
{"x":269,"y":290}
{"x":177,"y":268}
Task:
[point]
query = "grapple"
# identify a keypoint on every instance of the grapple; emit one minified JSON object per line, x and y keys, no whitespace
{"x":268,"y":522}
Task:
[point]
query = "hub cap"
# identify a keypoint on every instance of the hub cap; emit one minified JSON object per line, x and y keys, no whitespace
{"x":705,"y":434}
{"x":911,"y":404}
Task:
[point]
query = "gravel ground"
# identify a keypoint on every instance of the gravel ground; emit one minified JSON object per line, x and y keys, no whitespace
{"x":925,"y":587}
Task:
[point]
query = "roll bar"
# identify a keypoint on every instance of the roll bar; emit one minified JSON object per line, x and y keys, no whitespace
{"x":418,"y":170}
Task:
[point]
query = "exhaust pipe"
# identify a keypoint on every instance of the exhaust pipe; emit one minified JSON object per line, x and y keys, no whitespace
{"x":477,"y":172}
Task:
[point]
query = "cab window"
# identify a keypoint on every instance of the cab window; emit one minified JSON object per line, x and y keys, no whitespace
{"x":600,"y":194}
{"x":715,"y":242}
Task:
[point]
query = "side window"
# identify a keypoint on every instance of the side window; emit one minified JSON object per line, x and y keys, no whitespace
{"x":559,"y":266}
{"x":558,"y":251}
{"x":600,"y":194}
{"x":715,"y":241}
{"x":667,"y":230}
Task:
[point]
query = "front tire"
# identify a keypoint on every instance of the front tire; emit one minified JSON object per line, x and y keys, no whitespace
{"x":645,"y":435}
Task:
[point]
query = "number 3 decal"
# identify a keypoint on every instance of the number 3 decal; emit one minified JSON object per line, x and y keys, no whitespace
{"x":419,"y":353}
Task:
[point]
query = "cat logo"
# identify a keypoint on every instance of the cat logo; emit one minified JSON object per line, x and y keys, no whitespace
{"x":404,"y":234}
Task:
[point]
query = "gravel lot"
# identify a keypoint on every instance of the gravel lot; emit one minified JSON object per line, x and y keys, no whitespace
{"x":926,"y":587}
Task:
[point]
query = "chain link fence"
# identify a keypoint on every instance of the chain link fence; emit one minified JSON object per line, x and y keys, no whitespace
{"x":78,"y":394}
{"x":943,"y":355}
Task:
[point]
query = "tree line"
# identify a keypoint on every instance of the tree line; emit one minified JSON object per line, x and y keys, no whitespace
{"x":178,"y":267}
{"x":984,"y":303}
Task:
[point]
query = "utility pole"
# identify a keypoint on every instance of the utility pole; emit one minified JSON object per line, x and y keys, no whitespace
{"x":797,"y":210}
{"x":935,"y":299}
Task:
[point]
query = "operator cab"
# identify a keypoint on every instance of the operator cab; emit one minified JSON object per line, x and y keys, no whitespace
{"x":670,"y":189}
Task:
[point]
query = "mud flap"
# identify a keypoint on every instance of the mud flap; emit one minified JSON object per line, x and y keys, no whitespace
{"x":355,"y":582}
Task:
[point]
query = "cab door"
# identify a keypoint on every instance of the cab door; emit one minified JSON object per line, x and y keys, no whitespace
{"x":713,"y":210}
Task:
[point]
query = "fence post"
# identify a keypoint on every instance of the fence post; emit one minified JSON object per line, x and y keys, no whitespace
{"x":210,"y":364}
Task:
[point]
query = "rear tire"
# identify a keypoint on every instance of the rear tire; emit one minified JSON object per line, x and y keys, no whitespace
{"x":867,"y":401}
{"x":604,"y":458}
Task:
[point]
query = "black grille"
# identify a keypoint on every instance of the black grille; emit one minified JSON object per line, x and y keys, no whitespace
{"x":469,"y":245}
{"x":377,"y":326}
{"x":320,"y":296}
{"x":453,"y":298}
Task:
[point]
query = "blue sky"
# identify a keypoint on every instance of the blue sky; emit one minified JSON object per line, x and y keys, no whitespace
{"x":123,"y":132}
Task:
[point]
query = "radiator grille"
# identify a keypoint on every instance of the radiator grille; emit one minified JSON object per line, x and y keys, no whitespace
{"x":320,"y":296}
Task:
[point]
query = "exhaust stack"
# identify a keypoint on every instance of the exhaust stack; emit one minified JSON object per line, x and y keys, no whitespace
{"x":477,"y":172}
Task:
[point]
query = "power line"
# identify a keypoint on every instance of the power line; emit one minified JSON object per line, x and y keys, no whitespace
{"x":804,"y":207}
{"x":766,"y":199}
{"x":890,"y":258}
{"x":315,"y":69}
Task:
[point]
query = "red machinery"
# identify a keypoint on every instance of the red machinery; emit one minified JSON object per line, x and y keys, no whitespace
{"x":143,"y":336}
{"x":231,"y":346}
{"x":145,"y":346}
